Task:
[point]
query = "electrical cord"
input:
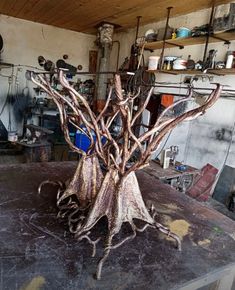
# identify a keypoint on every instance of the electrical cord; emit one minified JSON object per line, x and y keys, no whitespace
{"x":164,"y":144}
{"x":229,"y":147}
{"x":7,"y":97}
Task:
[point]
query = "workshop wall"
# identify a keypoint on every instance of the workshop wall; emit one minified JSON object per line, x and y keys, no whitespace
{"x":24,"y":41}
{"x":208,"y":138}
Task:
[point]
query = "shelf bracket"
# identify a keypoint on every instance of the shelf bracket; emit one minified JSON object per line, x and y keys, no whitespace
{"x":227,"y":42}
{"x":148,"y":49}
{"x":167,"y":72}
{"x":6,"y":64}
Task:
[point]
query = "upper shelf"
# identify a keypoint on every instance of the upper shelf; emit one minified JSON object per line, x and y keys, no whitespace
{"x":218,"y":37}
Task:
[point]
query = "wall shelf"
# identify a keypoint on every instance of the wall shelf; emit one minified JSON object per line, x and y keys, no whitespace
{"x":219,"y":72}
{"x":222,"y":72}
{"x":6,"y":65}
{"x":222,"y":37}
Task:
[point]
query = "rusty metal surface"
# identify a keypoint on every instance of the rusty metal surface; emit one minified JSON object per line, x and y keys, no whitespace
{"x":36,"y":247}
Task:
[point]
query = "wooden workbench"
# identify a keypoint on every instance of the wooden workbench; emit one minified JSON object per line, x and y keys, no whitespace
{"x":36,"y":249}
{"x":156,"y":170}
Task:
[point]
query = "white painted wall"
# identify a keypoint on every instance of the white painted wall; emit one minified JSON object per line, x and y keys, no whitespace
{"x":196,"y":139}
{"x":24,"y":41}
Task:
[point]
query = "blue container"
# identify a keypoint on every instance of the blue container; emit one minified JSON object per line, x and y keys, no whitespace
{"x":183,"y":32}
{"x":83,"y":142}
{"x":181,"y":167}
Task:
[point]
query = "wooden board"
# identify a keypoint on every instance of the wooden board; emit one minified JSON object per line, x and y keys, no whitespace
{"x":218,"y":72}
{"x":85,"y":15}
{"x":170,"y":43}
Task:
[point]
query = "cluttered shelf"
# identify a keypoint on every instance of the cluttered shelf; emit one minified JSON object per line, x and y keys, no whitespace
{"x":219,"y":72}
{"x":182,"y":42}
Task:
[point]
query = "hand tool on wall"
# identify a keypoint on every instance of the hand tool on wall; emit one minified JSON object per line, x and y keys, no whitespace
{"x":210,"y":61}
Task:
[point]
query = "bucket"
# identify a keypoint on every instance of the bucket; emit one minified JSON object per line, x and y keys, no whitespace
{"x":183,"y":32}
{"x":153,"y":62}
{"x":83,"y":142}
{"x":12,"y":136}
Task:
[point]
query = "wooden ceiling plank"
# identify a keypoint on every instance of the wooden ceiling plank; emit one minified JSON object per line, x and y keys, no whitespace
{"x":66,"y":14}
{"x":4,"y":4}
{"x":83,"y":11}
{"x":57,"y":12}
{"x":20,"y":8}
{"x":42,"y":9}
{"x":83,"y":15}
{"x":12,"y":7}
{"x":28,"y":9}
{"x":111,"y":12}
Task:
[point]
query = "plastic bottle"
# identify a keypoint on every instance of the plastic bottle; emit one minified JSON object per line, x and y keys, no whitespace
{"x":229,"y":62}
{"x":173,"y":35}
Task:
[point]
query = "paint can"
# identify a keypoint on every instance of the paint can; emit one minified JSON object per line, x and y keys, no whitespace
{"x":12,"y":136}
{"x":153,"y":62}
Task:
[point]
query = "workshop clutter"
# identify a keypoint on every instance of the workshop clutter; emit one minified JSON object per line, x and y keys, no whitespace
{"x":219,"y":29}
{"x":224,"y":18}
{"x":32,"y":124}
{"x":203,"y":183}
{"x":178,"y":63}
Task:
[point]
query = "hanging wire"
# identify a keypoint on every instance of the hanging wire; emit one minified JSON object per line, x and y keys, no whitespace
{"x":6,"y":100}
{"x":163,"y":146}
{"x":229,"y":146}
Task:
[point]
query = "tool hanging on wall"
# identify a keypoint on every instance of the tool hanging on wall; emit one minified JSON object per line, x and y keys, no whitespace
{"x":210,"y":61}
{"x":62,"y":64}
{"x":48,"y":65}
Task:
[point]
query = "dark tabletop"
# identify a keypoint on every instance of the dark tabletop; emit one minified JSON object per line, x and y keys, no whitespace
{"x":36,"y":249}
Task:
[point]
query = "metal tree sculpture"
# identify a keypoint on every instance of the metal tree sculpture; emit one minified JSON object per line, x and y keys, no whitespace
{"x":92,"y":195}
